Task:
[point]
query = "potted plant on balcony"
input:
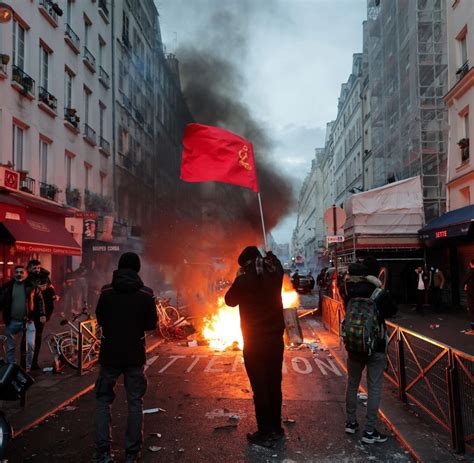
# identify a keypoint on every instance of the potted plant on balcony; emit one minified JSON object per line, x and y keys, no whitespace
{"x":463,"y":143}
{"x":73,"y":197}
{"x":57,"y":9}
{"x":5,"y":59}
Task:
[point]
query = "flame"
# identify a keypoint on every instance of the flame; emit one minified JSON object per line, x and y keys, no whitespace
{"x":222,"y":329}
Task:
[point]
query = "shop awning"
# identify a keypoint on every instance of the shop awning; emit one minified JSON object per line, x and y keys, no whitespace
{"x":42,"y":233}
{"x":11,"y":209}
{"x":450,"y":225}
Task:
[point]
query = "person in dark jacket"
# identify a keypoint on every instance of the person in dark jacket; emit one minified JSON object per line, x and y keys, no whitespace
{"x":39,"y":276}
{"x":22,"y":304}
{"x":296,"y":279}
{"x":361,"y":281}
{"x":125,"y":310}
{"x":257,"y":292}
{"x":469,"y":288}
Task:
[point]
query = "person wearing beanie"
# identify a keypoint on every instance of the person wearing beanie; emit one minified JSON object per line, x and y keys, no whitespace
{"x":125,"y":310}
{"x":257,"y":292}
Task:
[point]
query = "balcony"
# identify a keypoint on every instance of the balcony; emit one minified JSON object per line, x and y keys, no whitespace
{"x":48,"y":191}
{"x":23,"y":82}
{"x":104,"y":11}
{"x":90,"y":135}
{"x":126,"y":102}
{"x":126,"y":41}
{"x":104,"y":146}
{"x":97,"y":202}
{"x":462,"y":71}
{"x":71,"y":119}
{"x":47,"y":101}
{"x":104,"y":77}
{"x":89,"y":59}
{"x":50,"y":10}
{"x":27,"y":184}
{"x":73,"y":197}
{"x":139,"y":116}
{"x":72,"y":39}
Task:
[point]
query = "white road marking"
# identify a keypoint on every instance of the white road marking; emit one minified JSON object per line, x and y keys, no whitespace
{"x":151,"y":361}
{"x":195,"y":361}
{"x":330,"y":365}
{"x":209,"y":366}
{"x":173,"y":359}
{"x":296,"y":361}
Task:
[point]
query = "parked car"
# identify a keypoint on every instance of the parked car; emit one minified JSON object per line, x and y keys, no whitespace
{"x":306,"y":283}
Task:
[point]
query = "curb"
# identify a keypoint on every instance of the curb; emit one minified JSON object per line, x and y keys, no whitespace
{"x":71,"y":399}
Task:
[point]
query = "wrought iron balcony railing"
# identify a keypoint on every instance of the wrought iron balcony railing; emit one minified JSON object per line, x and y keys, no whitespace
{"x":104,"y":144}
{"x":21,"y":77}
{"x":74,"y":39}
{"x":89,"y":59}
{"x":70,"y":115}
{"x":51,"y":8}
{"x":48,"y":191}
{"x":47,"y":98}
{"x":463,"y":70}
{"x":27,"y":184}
{"x":104,"y":77}
{"x":89,"y":134}
{"x":103,"y":7}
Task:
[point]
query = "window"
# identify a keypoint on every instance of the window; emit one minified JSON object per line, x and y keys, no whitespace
{"x":87,"y":29}
{"x":87,"y":97}
{"x":463,"y":50}
{"x":17,"y":147}
{"x":18,"y":45}
{"x":68,"y":11}
{"x":101,"y":120}
{"x":43,"y":161}
{"x":103,"y":176}
{"x":68,"y":83}
{"x":466,"y":126}
{"x":101,"y":51}
{"x":87,"y":170}
{"x":125,"y":26}
{"x":44,"y":67}
{"x":68,"y":161}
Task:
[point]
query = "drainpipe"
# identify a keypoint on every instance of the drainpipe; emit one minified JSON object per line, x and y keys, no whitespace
{"x":114,"y":151}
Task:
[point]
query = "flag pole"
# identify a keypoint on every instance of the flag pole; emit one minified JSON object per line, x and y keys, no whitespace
{"x":263,"y":222}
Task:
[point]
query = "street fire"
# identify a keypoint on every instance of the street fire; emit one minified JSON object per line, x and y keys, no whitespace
{"x":222,"y":329}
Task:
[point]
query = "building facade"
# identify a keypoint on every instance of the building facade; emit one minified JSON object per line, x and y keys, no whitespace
{"x":55,"y":121}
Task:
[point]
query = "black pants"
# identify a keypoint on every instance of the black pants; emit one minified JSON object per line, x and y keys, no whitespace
{"x":420,"y":299}
{"x":263,"y":358}
{"x":38,"y":338}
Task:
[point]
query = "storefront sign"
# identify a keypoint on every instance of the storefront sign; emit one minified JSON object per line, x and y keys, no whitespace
{"x":86,"y":215}
{"x":89,"y":229}
{"x":106,"y":248}
{"x":9,"y":178}
{"x":57,"y":251}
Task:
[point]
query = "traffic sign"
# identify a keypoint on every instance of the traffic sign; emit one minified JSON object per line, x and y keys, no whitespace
{"x":335,"y":239}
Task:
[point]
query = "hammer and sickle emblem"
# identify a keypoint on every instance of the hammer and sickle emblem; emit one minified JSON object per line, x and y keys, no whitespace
{"x":243,"y":157}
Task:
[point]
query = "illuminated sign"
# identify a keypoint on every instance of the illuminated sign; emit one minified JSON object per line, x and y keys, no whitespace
{"x":441,"y":234}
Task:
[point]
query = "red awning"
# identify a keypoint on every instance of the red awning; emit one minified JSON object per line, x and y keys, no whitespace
{"x":11,"y":209}
{"x":41,"y":233}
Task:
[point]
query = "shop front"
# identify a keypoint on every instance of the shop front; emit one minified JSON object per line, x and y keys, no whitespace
{"x":449,"y":242}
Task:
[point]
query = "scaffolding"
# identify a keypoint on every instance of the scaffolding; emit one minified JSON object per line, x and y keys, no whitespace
{"x":407,"y":48}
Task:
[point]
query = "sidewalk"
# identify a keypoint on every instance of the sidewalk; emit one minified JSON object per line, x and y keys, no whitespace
{"x":422,"y":439}
{"x":50,"y":392}
{"x":445,"y":327}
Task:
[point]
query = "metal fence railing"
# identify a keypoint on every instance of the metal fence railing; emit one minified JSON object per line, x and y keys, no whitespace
{"x":432,"y":375}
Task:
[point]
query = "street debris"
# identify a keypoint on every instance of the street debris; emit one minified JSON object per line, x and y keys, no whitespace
{"x":224,"y":413}
{"x":155,"y":434}
{"x":234,"y":417}
{"x":362,"y":396}
{"x":245,"y":390}
{"x":69,"y":408}
{"x":433,"y":326}
{"x":48,"y":370}
{"x":154,"y":448}
{"x":289,"y":421}
{"x":149,"y":411}
{"x":226,"y":426}
{"x":181,"y":450}
{"x":193,"y":343}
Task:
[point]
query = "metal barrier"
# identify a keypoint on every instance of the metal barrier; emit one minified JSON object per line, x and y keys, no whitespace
{"x":88,"y":344}
{"x":434,"y":376}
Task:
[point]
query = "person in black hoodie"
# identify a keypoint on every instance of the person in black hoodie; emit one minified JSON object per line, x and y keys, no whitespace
{"x":39,"y":276}
{"x":257,"y":292}
{"x":125,"y":310}
{"x":361,"y":281}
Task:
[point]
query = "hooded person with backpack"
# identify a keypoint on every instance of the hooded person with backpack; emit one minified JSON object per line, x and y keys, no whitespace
{"x":364,"y":332}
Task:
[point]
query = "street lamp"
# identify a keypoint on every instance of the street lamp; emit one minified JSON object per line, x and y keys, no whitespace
{"x":6,"y":12}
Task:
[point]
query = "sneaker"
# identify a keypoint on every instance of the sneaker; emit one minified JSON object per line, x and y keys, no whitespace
{"x":277,"y":435}
{"x":257,"y":438}
{"x":372,"y":437}
{"x":103,"y":457}
{"x":352,"y":427}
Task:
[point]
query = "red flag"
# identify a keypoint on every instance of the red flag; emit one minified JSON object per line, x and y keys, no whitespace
{"x":214,"y":154}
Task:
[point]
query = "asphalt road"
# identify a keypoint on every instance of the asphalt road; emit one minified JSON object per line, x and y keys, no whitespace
{"x":200,"y":390}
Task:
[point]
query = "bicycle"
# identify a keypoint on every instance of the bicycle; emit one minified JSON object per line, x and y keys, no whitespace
{"x":168,"y":316}
{"x":65,"y":345}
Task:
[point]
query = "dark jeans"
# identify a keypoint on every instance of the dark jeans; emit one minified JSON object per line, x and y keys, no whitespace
{"x":263,"y":361}
{"x":135,"y":387}
{"x":436,"y":299}
{"x":38,"y":338}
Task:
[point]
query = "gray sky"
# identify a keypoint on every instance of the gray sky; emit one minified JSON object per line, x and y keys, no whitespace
{"x":298,"y":54}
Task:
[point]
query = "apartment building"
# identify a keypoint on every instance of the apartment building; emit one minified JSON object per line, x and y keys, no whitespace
{"x":407,"y":56}
{"x":55,"y":127}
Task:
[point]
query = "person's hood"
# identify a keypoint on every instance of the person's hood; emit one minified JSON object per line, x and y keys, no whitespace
{"x":374,"y":280}
{"x":126,"y":281}
{"x":355,"y":279}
